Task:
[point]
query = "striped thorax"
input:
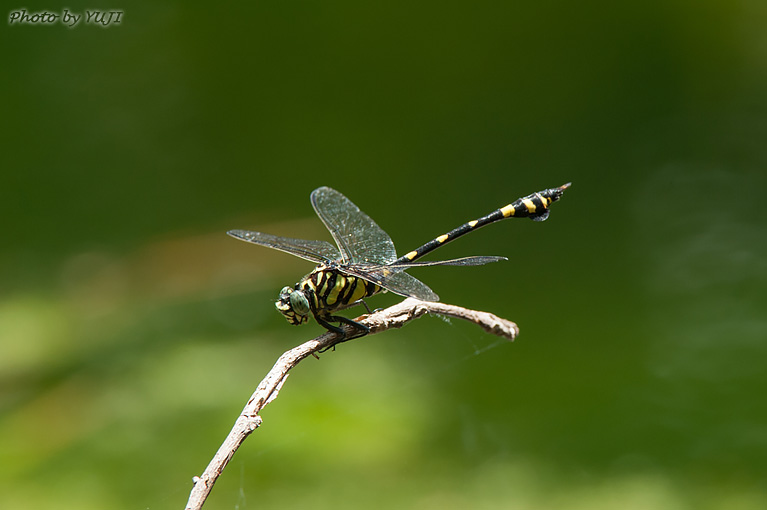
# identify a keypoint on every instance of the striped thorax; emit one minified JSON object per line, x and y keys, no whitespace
{"x":321,"y":292}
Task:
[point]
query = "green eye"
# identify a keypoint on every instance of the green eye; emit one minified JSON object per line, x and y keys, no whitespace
{"x":299,"y":303}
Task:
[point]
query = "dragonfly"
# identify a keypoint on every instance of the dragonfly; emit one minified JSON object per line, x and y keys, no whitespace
{"x":364,"y":261}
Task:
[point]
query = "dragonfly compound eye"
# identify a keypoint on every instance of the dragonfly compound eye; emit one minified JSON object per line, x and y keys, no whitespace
{"x":293,"y":305}
{"x":299,"y":303}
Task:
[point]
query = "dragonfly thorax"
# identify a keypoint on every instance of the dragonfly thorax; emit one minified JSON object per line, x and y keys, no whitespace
{"x":294,"y":305}
{"x":321,"y":292}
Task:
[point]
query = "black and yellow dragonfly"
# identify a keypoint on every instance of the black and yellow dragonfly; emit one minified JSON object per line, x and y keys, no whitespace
{"x":365,"y":261}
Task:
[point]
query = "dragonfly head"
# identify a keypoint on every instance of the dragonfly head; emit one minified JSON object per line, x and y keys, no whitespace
{"x":294,"y":305}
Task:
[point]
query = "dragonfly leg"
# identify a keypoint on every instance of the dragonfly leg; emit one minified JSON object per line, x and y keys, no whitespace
{"x":364,"y":330}
{"x":367,"y":308}
{"x":325,"y":322}
{"x":330,"y":327}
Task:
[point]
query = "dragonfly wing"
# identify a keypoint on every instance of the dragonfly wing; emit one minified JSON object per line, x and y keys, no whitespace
{"x":358,"y":237}
{"x":464,"y":261}
{"x":396,"y":281}
{"x":394,"y":278}
{"x":316,"y":251}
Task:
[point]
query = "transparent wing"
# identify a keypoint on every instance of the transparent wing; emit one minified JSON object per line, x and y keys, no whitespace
{"x":394,"y":278}
{"x":358,"y":237}
{"x":396,"y":281}
{"x":464,"y":261}
{"x":316,"y":251}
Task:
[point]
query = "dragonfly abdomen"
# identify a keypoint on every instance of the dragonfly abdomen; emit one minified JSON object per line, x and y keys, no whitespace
{"x":534,"y":206}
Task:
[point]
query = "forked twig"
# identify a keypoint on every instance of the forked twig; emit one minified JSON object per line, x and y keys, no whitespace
{"x":393,"y":317}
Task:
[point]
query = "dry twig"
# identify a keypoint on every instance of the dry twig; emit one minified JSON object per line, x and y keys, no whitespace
{"x":393,"y":317}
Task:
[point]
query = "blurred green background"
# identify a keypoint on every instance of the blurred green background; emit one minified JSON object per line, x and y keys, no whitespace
{"x":133,"y":330}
